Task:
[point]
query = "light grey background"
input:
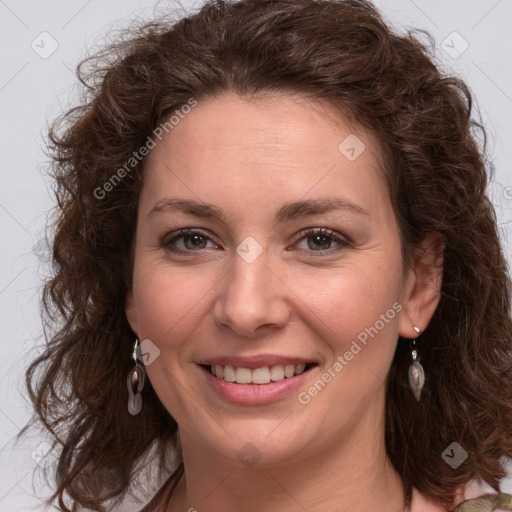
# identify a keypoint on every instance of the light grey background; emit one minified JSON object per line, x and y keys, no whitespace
{"x":36,"y":86}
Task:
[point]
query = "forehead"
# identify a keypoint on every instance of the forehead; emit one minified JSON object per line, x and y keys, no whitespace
{"x":297,"y":122}
{"x":239,"y":145}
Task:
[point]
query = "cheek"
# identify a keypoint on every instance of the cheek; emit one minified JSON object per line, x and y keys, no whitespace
{"x":169,"y":304}
{"x":169,"y":301}
{"x":354,"y":303}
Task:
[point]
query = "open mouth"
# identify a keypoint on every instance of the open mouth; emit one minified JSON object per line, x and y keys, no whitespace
{"x":259,"y":376}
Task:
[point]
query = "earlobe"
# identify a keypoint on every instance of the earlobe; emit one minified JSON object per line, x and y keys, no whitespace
{"x":423,"y":288}
{"x":131,"y":313}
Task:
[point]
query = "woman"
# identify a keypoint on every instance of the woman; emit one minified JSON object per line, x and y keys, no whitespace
{"x":277,"y":268}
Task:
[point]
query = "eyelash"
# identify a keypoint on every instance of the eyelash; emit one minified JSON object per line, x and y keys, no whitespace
{"x":167,"y":243}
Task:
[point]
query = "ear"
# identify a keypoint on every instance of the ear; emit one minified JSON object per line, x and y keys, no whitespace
{"x":131,"y":312}
{"x":422,"y":290}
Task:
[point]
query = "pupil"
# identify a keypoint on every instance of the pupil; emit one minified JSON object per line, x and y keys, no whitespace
{"x":320,"y":240}
{"x":196,"y":241}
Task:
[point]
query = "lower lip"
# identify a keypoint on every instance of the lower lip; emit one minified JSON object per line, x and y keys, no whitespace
{"x":255,"y":393}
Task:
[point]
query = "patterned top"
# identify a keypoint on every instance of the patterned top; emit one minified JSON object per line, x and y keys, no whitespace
{"x":494,"y":502}
{"x":489,"y":503}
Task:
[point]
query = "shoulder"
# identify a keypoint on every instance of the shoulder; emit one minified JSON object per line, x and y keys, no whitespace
{"x":474,"y":497}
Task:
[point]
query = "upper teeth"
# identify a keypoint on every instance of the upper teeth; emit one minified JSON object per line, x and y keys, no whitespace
{"x":262,"y":375}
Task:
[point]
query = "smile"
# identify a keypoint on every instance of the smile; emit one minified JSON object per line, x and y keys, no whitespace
{"x":258,"y":385}
{"x":261,"y":376}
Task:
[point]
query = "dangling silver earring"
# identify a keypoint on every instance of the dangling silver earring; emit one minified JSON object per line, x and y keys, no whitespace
{"x":135,"y":383}
{"x":416,"y":372}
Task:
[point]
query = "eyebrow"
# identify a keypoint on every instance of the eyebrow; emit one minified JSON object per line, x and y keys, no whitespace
{"x":288,"y":211}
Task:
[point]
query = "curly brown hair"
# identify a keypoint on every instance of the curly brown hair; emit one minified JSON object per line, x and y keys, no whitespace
{"x":341,"y":52}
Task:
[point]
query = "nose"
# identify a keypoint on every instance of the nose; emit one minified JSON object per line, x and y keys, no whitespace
{"x":252,"y":298}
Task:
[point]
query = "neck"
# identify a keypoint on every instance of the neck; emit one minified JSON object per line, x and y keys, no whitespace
{"x":351,"y":476}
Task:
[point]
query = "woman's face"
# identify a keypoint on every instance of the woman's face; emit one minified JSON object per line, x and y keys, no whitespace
{"x":291,"y":255}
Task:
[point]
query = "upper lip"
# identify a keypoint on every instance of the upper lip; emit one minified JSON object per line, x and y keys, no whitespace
{"x":253,"y":362}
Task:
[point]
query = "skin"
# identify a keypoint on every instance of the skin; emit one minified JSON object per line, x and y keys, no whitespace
{"x":303,"y":296}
